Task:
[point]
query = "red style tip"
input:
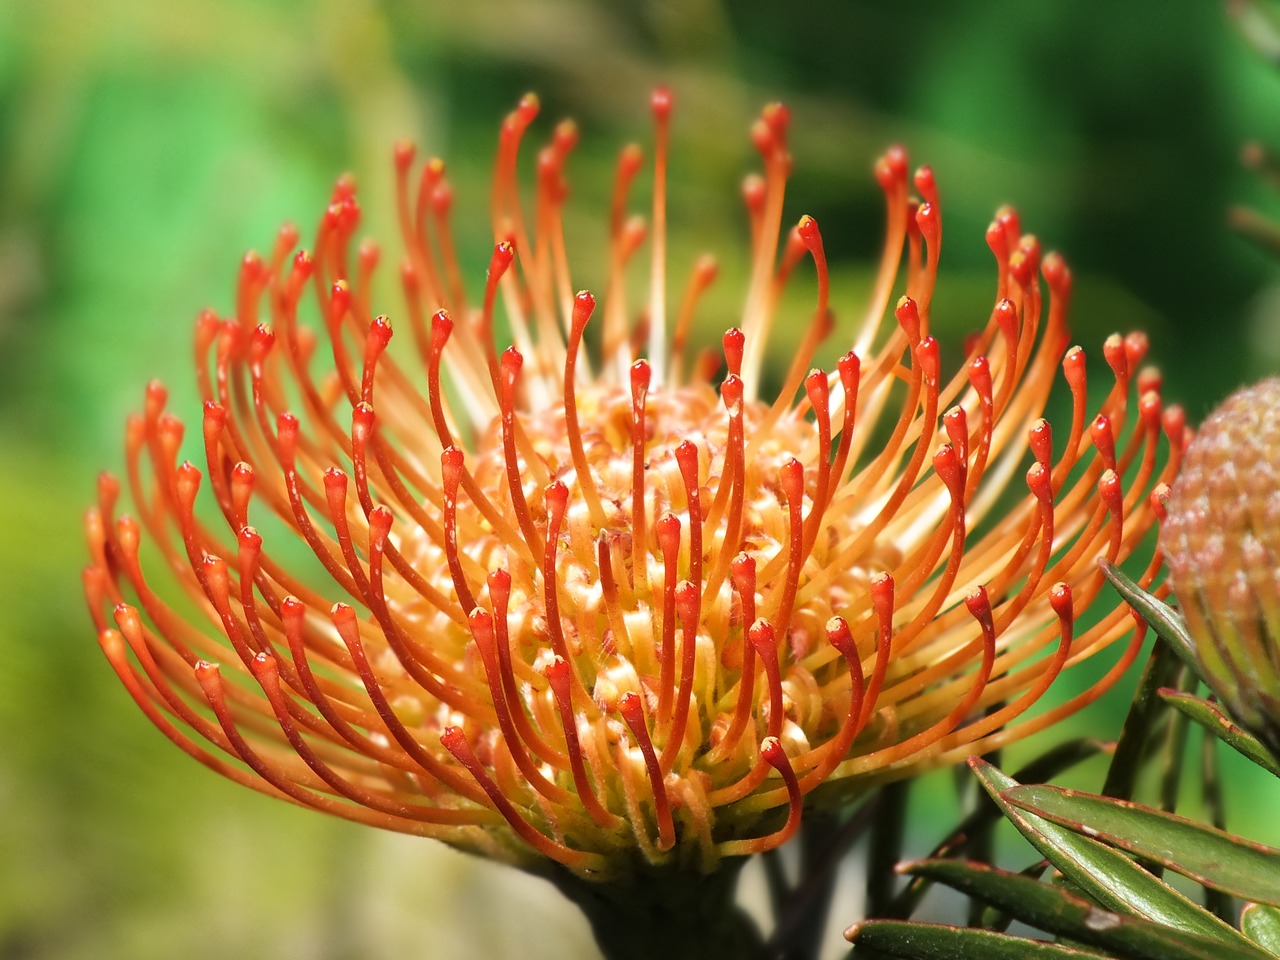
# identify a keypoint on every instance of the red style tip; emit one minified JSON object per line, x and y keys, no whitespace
{"x":778,"y":117}
{"x":660,"y":103}
{"x":1060,"y":600}
{"x":504,"y":251}
{"x":632,"y":710}
{"x":451,"y":461}
{"x":528,"y":108}
{"x":584,"y":305}
{"x":210,"y":679}
{"x":379,"y":336}
{"x":929,"y":360}
{"x":891,"y":168}
{"x":735,"y":342}
{"x":686,"y":454}
{"x":1005,"y":314}
{"x":840,"y":637}
{"x":809,"y":233}
{"x":1040,"y":439}
{"x":641,"y":375}
{"x":928,"y":223}
{"x":950,"y":469}
{"x":773,"y":754}
{"x":908,"y":315}
{"x":688,"y":605}
{"x":404,"y":154}
{"x":1113,"y":350}
{"x":556,"y":495}
{"x":1112,"y":493}
{"x":1136,"y":345}
{"x":1104,"y":440}
{"x":731,"y":394}
{"x":927,"y":185}
{"x":762,"y":637}
{"x":511,"y":362}
{"x":1174,"y":422}
{"x":979,"y":605}
{"x":667,"y":531}
{"x":754,"y":193}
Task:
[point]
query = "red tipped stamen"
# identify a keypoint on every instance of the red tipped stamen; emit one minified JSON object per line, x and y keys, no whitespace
{"x":481,"y":624}
{"x":640,"y":378}
{"x":503,"y":254}
{"x":510,"y":375}
{"x":792,"y":476}
{"x":771,"y":752}
{"x":632,"y":711}
{"x":584,"y":305}
{"x":704,"y":274}
{"x":667,"y":532}
{"x":455,"y":741}
{"x":686,"y":454}
{"x":556,"y":496}
{"x":661,"y":104}
{"x":557,"y":673}
{"x":687,"y":608}
{"x":451,"y":466}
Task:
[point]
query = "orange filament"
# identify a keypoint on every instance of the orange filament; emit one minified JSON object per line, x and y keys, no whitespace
{"x":633,"y":713}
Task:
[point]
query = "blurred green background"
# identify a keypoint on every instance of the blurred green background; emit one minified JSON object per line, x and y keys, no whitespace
{"x":144,"y":145}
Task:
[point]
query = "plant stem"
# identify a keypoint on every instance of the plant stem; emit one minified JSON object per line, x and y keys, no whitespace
{"x":668,"y":915}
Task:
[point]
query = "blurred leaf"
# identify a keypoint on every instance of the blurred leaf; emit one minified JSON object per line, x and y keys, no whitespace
{"x":931,"y":941}
{"x":1210,"y":716}
{"x":1103,"y":874}
{"x":1256,"y":228}
{"x":1204,"y":854}
{"x":1055,"y":911}
{"x":1262,"y":925}
{"x":1257,"y":24}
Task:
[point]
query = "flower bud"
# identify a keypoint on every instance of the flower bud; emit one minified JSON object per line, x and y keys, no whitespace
{"x":1222,"y":542}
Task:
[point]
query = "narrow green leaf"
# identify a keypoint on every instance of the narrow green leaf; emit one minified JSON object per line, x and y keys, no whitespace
{"x":1207,"y":855}
{"x":1164,"y":620}
{"x":1105,"y":875}
{"x":1042,"y":768}
{"x":1210,"y":716}
{"x":932,"y":941}
{"x":1054,"y":910}
{"x":1262,"y":925}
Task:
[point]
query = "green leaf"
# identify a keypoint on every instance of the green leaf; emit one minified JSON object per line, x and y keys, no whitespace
{"x":1056,"y":911}
{"x":1210,"y":716}
{"x":1262,"y":925}
{"x":1205,"y":854}
{"x":1105,"y":875}
{"x":1164,"y":620}
{"x":933,"y":941}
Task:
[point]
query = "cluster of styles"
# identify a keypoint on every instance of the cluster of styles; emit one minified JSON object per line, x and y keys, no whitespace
{"x":590,"y":597}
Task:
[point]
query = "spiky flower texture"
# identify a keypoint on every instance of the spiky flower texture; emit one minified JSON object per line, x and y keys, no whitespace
{"x":1222,"y":539}
{"x":584,"y":599}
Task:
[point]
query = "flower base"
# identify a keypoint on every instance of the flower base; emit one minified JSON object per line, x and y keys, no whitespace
{"x":669,"y":915}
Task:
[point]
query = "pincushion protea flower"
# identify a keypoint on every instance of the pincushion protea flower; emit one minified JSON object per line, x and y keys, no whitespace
{"x":1222,"y":540}
{"x":584,"y":601}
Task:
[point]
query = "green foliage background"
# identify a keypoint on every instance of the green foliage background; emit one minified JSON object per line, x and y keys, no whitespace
{"x":145,"y":144}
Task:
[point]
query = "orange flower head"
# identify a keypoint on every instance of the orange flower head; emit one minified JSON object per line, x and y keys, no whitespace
{"x":586,"y":598}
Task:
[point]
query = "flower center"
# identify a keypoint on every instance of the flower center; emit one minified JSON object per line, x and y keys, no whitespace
{"x":650,"y":601}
